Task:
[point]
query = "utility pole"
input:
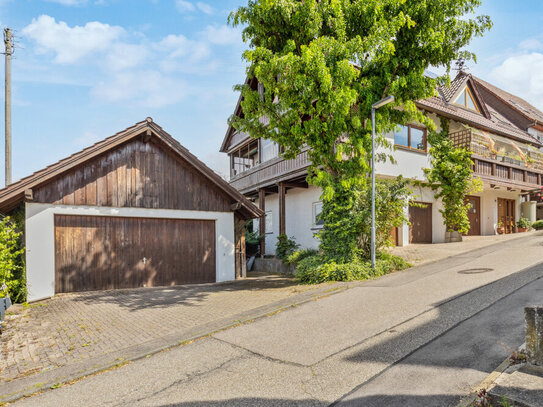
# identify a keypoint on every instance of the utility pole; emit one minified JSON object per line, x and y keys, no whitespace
{"x":8,"y":41}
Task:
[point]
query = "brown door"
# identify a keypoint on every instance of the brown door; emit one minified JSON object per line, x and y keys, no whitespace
{"x":506,"y":214}
{"x":394,"y":236}
{"x":421,"y":223}
{"x":99,"y":252}
{"x":474,"y":215}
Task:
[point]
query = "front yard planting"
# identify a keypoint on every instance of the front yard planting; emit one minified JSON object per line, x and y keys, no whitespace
{"x":314,"y":269}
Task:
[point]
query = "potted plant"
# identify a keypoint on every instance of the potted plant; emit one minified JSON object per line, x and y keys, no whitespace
{"x":500,"y":229}
{"x":523,"y":224}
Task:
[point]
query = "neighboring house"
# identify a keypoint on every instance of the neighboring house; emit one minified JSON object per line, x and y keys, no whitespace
{"x":503,"y":131}
{"x":134,"y":210}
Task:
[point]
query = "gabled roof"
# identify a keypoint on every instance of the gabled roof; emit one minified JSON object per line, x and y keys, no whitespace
{"x":490,"y":120}
{"x":520,"y":105}
{"x":458,"y":84}
{"x":443,"y":104}
{"x":14,"y":193}
{"x":496,"y":124}
{"x":237,"y":112}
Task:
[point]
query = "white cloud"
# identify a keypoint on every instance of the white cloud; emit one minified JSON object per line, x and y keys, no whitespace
{"x":71,"y":44}
{"x":126,"y":67}
{"x":222,"y":35}
{"x":530,"y":44}
{"x":184,"y":6}
{"x":205,"y":8}
{"x":122,"y":56}
{"x":182,"y":54}
{"x":522,"y":75}
{"x":146,"y":88}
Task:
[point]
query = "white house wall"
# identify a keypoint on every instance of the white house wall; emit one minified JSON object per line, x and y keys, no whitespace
{"x":299,"y":218}
{"x":40,"y":239}
{"x":409,"y":164}
{"x":489,"y":208}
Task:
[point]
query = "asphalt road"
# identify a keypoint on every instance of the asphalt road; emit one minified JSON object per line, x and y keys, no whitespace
{"x":423,"y":337}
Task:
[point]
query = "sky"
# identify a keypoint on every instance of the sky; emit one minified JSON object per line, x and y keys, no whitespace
{"x":86,"y":69}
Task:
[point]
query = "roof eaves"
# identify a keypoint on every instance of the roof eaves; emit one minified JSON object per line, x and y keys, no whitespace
{"x":489,"y":89}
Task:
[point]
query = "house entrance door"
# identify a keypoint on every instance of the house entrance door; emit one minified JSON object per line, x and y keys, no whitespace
{"x":474,"y":215}
{"x":506,"y":214}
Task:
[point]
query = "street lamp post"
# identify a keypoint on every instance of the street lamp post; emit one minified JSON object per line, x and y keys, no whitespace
{"x":374,"y":107}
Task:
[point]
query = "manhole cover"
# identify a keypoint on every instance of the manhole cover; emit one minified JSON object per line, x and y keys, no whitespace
{"x":475,"y":271}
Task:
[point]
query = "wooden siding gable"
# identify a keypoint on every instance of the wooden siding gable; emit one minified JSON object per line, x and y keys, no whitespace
{"x":136,"y":174}
{"x":86,"y":175}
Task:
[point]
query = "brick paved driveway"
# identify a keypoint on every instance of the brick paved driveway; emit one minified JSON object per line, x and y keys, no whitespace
{"x":74,"y":327}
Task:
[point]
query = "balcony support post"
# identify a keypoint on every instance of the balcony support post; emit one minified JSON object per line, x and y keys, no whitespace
{"x":282,"y":222}
{"x":262,"y":223}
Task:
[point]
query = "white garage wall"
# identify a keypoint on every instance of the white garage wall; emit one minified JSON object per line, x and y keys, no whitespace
{"x":40,"y":239}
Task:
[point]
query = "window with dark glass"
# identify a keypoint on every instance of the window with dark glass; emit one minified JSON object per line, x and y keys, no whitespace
{"x":410,"y":136}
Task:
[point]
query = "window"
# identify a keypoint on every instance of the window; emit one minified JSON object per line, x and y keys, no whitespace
{"x":411,"y":137}
{"x":466,"y":100}
{"x":269,"y":222}
{"x":244,"y":158}
{"x":270,"y":149}
{"x":317,"y":210}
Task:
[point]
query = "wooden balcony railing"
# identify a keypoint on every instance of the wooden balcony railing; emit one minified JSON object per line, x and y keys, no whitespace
{"x":270,"y":172}
{"x":514,"y":169}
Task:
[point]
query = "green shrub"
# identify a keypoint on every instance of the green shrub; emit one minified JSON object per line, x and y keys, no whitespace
{"x":346,"y":234}
{"x":285,"y":247}
{"x":538,"y":224}
{"x":313,"y":269}
{"x":12,"y":266}
{"x":524,"y":223}
{"x":299,"y":255}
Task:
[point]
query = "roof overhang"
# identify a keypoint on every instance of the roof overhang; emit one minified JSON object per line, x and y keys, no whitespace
{"x":14,"y":194}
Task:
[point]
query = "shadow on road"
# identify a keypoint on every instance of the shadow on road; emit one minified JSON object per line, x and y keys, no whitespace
{"x":189,"y":295}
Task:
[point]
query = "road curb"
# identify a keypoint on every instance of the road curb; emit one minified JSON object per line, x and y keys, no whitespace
{"x":485,"y":384}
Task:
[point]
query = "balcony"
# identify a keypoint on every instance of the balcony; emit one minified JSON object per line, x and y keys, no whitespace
{"x":270,"y":172}
{"x":500,"y":161}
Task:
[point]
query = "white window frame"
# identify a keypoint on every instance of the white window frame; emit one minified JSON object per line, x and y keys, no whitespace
{"x":268,"y":223}
{"x":314,"y":207}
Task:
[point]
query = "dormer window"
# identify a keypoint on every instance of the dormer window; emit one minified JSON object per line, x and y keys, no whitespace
{"x":466,"y":99}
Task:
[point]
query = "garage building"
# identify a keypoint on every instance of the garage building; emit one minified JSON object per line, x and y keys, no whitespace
{"x":134,"y":210}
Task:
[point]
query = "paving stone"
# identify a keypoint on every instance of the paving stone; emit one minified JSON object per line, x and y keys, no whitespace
{"x":72,"y":327}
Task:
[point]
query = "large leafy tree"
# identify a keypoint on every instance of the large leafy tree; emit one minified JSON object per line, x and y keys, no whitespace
{"x":323,"y":63}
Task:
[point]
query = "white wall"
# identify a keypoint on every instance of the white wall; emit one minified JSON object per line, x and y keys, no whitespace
{"x":40,"y":239}
{"x":299,"y":217}
{"x":489,"y":208}
{"x":426,"y":195}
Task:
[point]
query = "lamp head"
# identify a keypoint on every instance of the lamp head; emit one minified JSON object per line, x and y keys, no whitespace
{"x":382,"y":102}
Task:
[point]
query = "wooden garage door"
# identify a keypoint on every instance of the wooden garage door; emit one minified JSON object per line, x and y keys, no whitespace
{"x":99,"y":252}
{"x":420,"y":218}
